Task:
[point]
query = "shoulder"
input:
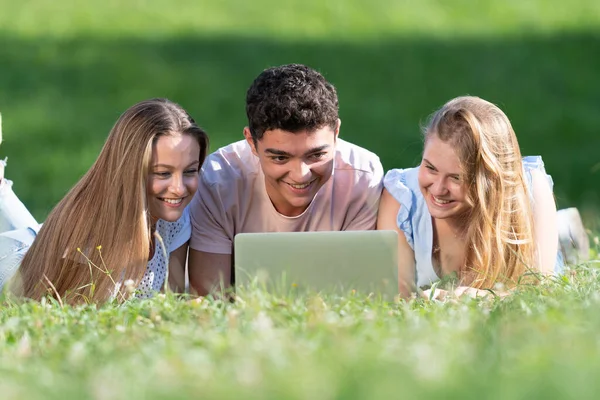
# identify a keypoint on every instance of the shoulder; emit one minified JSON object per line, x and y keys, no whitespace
{"x":400,"y":180}
{"x":403,"y":186}
{"x":235,"y":159}
{"x":230,"y":163}
{"x":355,"y":158}
{"x":357,"y":167}
{"x":531,"y":163}
{"x":535,"y":170}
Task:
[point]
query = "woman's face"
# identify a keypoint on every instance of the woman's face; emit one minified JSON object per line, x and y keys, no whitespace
{"x":172,"y":176}
{"x":441,"y":180}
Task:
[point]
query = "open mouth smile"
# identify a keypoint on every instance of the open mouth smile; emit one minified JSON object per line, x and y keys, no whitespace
{"x":172,"y":202}
{"x":440,"y":202}
{"x":300,"y":187}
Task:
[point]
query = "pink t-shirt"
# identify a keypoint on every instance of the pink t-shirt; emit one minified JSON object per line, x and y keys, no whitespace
{"x":232,"y":198}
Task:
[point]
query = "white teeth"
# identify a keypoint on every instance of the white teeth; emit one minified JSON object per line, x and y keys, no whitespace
{"x":173,"y":201}
{"x":440,"y":201}
{"x":300,"y":186}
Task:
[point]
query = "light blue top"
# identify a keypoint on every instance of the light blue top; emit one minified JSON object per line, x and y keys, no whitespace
{"x":18,"y":228}
{"x":415,"y":221}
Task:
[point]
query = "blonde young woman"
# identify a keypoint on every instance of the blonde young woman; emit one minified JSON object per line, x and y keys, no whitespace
{"x":126,"y":219}
{"x":473,"y":207}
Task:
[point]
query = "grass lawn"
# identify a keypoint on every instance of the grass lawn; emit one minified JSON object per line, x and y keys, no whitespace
{"x":541,"y":342}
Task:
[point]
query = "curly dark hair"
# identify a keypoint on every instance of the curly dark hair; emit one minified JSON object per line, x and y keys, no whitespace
{"x":290,"y":97}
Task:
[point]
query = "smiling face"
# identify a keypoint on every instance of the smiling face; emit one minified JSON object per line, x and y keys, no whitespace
{"x":295,"y":165}
{"x":441,"y":180}
{"x":172,"y":176}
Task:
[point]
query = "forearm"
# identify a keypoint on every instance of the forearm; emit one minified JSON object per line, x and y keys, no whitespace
{"x":209,"y":272}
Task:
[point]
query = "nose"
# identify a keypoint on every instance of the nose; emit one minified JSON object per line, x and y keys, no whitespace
{"x":300,"y":173}
{"x":438,"y":188}
{"x":177,"y":186}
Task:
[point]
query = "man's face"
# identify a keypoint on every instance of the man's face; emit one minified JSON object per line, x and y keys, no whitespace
{"x":296,"y":165}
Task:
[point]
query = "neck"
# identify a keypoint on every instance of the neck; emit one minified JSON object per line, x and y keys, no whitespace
{"x":456,"y":227}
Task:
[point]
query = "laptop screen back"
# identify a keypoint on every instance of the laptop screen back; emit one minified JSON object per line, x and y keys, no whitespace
{"x":365,"y":261}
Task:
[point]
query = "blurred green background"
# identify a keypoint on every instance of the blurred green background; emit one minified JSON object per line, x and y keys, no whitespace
{"x":69,"y":68}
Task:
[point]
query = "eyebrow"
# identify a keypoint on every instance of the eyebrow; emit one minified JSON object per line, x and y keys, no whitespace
{"x":170,"y":166}
{"x":434,"y":167}
{"x":429,"y":162}
{"x":285,"y":153}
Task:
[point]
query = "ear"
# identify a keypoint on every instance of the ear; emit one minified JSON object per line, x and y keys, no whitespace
{"x":337,"y":129}
{"x":250,"y":140}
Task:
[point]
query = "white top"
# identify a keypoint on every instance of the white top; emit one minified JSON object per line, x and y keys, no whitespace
{"x":174,"y":235}
{"x":232,"y":198}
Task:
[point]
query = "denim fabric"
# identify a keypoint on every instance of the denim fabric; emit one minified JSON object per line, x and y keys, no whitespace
{"x":18,"y":228}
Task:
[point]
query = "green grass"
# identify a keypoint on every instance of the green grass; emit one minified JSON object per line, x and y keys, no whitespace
{"x":541,"y":342}
{"x":68,"y":69}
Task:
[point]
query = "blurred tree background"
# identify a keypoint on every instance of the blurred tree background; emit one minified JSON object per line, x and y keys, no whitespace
{"x":69,"y":68}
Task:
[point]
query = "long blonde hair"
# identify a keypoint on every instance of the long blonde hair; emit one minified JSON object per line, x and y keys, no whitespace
{"x":100,"y":232}
{"x":499,"y":230}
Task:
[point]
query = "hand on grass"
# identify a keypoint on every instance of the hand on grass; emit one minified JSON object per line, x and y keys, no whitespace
{"x":442,"y":295}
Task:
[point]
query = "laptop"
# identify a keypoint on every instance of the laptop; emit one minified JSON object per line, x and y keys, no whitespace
{"x":331,"y":261}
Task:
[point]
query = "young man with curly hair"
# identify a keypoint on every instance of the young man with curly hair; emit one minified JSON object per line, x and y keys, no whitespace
{"x":291,"y":173}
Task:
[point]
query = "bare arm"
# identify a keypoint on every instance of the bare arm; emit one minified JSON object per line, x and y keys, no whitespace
{"x":209,"y":272}
{"x":386,"y":220}
{"x":177,"y":261}
{"x":461,"y":291}
{"x":544,"y":222}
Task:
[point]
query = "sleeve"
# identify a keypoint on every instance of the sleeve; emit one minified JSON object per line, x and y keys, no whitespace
{"x":395,"y":183}
{"x":366,"y":217}
{"x":13,"y":214}
{"x":180,"y":231}
{"x":531,"y":163}
{"x":13,"y":246}
{"x":211,"y":230}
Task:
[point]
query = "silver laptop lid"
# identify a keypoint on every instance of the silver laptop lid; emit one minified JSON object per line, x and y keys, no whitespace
{"x":365,"y":261}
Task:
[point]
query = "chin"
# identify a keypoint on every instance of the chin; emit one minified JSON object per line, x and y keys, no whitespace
{"x":441,"y":215}
{"x":170,"y":218}
{"x":170,"y":215}
{"x":455,"y":213}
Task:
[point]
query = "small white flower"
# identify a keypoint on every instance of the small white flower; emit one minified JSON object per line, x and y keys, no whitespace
{"x":77,"y":352}
{"x":129,"y":286}
{"x":262,"y":323}
{"x":24,"y":346}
